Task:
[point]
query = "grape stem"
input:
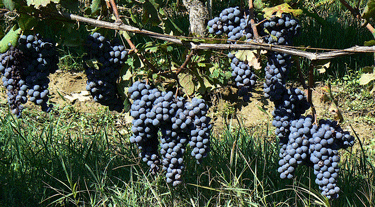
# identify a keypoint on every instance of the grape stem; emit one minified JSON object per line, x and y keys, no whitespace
{"x":188,"y":58}
{"x":253,"y":25}
{"x":135,"y":50}
{"x":356,"y":14}
{"x":207,"y":46}
{"x":115,"y":11}
{"x":309,"y":88}
{"x":300,"y":74}
{"x":334,"y":101}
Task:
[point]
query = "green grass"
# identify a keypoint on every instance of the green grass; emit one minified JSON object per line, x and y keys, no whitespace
{"x":67,"y":158}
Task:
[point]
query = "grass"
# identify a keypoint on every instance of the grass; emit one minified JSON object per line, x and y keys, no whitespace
{"x":67,"y":158}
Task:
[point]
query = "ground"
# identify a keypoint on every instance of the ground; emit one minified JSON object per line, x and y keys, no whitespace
{"x":69,"y":89}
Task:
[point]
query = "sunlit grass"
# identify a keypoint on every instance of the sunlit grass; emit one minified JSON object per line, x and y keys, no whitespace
{"x":47,"y":160}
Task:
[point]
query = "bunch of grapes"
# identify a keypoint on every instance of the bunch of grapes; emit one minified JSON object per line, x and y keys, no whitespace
{"x":296,"y":150}
{"x":326,"y":140}
{"x":236,"y":24}
{"x":180,"y":123}
{"x":101,"y":82}
{"x":12,"y":80}
{"x":281,"y":31}
{"x":26,"y":69}
{"x":243,"y":75}
{"x":200,"y":129}
{"x":289,"y":107}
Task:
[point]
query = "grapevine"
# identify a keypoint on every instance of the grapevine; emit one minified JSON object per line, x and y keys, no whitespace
{"x":299,"y":138}
{"x":165,"y":125}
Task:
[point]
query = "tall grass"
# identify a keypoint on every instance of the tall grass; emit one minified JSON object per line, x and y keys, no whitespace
{"x":72,"y":159}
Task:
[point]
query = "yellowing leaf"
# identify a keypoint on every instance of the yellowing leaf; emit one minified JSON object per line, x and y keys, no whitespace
{"x":41,"y":3}
{"x":279,"y":10}
{"x":366,"y":78}
{"x":251,"y":57}
{"x":125,"y":34}
{"x":186,"y":81}
{"x":323,"y":68}
{"x":11,"y":37}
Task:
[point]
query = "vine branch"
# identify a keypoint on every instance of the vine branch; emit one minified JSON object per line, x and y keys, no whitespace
{"x":207,"y":46}
{"x":253,"y":25}
{"x":356,"y":14}
{"x":188,"y":58}
{"x":309,"y":88}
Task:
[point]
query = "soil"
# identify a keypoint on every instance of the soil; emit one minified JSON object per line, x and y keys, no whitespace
{"x":69,"y":89}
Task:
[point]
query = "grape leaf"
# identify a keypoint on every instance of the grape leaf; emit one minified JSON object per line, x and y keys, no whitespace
{"x":279,"y":10}
{"x":258,"y":4}
{"x":366,"y":78}
{"x":186,"y":81}
{"x":9,"y":4}
{"x":95,"y":6}
{"x":323,"y":2}
{"x":369,"y":43}
{"x":322,"y":68}
{"x":41,"y":3}
{"x":249,"y":56}
{"x":26,"y":22}
{"x":369,"y":10}
{"x":11,"y":37}
{"x":1,"y":32}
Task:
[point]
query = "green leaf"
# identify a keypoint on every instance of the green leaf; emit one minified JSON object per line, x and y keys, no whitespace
{"x":9,"y":4}
{"x":369,"y":10}
{"x":280,"y":9}
{"x":11,"y":37}
{"x":368,"y":69}
{"x":258,"y":4}
{"x":369,"y":43}
{"x":1,"y":32}
{"x":366,"y":78}
{"x":150,"y":13}
{"x":95,"y":6}
{"x":41,"y":3}
{"x":186,"y":81}
{"x":228,"y":75}
{"x":27,"y":22}
{"x":125,"y":34}
{"x":127,"y":104}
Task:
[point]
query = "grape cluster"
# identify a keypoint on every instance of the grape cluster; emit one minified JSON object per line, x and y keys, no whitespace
{"x":296,"y":150}
{"x":236,"y":25}
{"x":301,"y":141}
{"x":326,"y":140}
{"x":281,"y":31}
{"x":12,"y":80}
{"x":315,"y":145}
{"x":200,"y":129}
{"x":180,"y":122}
{"x":290,"y":107}
{"x":243,"y":75}
{"x":37,"y":67}
{"x":101,"y":82}
{"x":26,"y":69}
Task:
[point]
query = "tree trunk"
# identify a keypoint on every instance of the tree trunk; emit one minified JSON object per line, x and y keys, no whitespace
{"x":198,"y":16}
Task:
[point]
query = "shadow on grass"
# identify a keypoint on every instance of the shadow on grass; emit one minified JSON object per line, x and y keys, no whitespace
{"x":80,"y":160}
